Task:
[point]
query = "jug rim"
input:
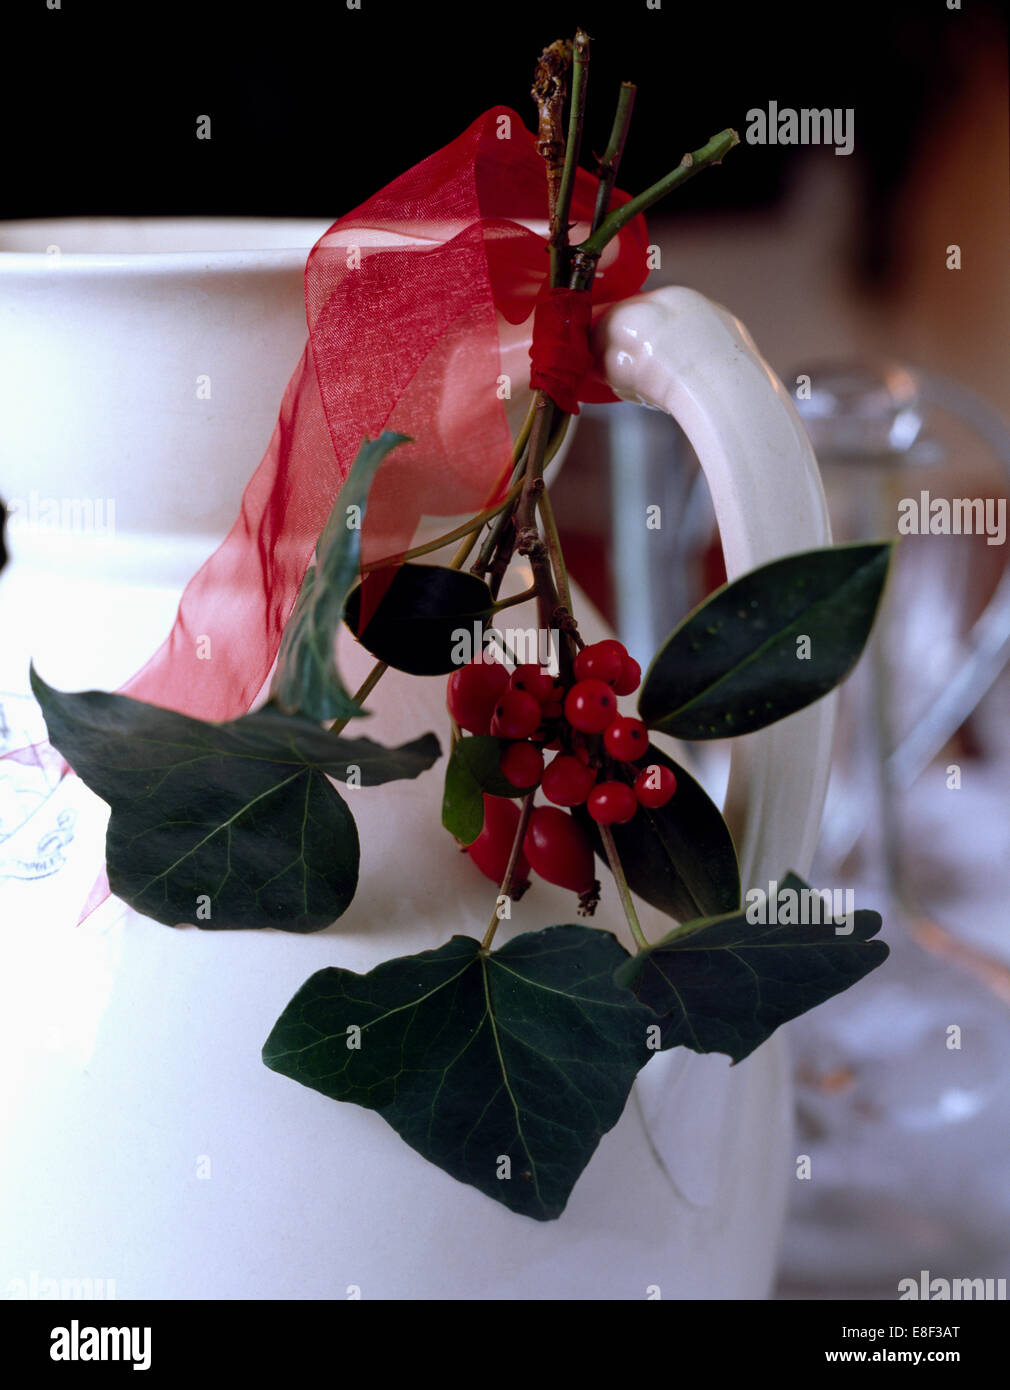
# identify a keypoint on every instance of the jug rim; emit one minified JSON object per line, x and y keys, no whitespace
{"x":166,"y":245}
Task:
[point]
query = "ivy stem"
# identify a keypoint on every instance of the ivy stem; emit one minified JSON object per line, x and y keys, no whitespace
{"x":503,"y":646}
{"x":554,"y":548}
{"x":611,"y":161}
{"x":506,"y":887}
{"x":527,"y":538}
{"x":558,"y":240}
{"x":515,"y":599}
{"x":465,"y":530}
{"x":617,"y":869}
{"x":504,"y":514}
{"x":691,"y":164}
{"x":364,"y":690}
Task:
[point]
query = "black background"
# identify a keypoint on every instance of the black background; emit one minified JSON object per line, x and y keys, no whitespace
{"x":314,"y":106}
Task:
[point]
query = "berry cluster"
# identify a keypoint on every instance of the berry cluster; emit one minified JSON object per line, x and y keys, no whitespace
{"x":597,"y":751}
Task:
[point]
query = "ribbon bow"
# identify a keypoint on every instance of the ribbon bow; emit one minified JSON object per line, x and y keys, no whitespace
{"x":411,"y":301}
{"x":404,"y":299}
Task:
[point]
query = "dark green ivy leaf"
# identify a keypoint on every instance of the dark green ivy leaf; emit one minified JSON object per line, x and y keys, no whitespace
{"x":473,"y":769}
{"x":736,"y":663}
{"x":228,"y":825}
{"x":526,"y":1054}
{"x":416,"y":626}
{"x":679,"y":857}
{"x":307,"y":680}
{"x":724,"y":984}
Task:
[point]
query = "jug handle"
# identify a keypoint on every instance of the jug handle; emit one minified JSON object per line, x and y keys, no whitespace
{"x":677,"y":351}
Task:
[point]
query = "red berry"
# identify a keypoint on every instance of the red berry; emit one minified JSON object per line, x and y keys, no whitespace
{"x":534,"y":681}
{"x":492,"y":847}
{"x":601,"y":661}
{"x":612,"y":803}
{"x":522,"y":764}
{"x":654,"y":785}
{"x":516,"y":715}
{"x":567,"y":781}
{"x":626,"y":739}
{"x":559,"y":850}
{"x":473,"y":692}
{"x":554,"y":707}
{"x":630,"y":678}
{"x":590,"y":706}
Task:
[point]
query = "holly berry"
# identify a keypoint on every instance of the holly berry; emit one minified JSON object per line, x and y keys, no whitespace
{"x":590,"y":706}
{"x":534,"y":681}
{"x":516,"y":715}
{"x":559,"y":850}
{"x":472,"y":693}
{"x":522,"y":764}
{"x":626,"y":739}
{"x":630,"y":678}
{"x":655,"y":785}
{"x":493,"y":846}
{"x":602,"y":661}
{"x":612,"y":803}
{"x":567,"y":781}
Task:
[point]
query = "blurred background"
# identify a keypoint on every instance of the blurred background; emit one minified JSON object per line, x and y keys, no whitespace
{"x":842,"y":270}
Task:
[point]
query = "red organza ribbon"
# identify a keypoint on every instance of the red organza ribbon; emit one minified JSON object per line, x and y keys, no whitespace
{"x":409,"y":300}
{"x":562,"y":363}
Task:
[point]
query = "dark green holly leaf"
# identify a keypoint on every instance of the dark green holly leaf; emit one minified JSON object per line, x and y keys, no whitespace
{"x":679,"y":857}
{"x":228,"y":825}
{"x":417,"y":624}
{"x":740,"y":661}
{"x":505,"y":1069}
{"x":307,"y":679}
{"x":473,"y":769}
{"x":724,"y":984}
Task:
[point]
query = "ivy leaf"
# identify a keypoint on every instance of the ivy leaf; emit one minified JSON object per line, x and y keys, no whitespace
{"x":679,"y":857}
{"x":416,"y":626}
{"x":525,"y":1055}
{"x":228,"y":825}
{"x":724,"y":984}
{"x":737,"y":663}
{"x":473,"y":769}
{"x":307,"y":679}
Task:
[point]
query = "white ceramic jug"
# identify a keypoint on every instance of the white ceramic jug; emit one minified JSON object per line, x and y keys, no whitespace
{"x":146,"y":1145}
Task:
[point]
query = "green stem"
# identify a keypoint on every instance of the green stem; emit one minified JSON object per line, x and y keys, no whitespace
{"x":365,"y":689}
{"x":474,"y":524}
{"x":558,"y":240}
{"x":554,"y":548}
{"x":506,"y":888}
{"x":516,"y":598}
{"x":617,"y":869}
{"x":611,"y":161}
{"x":504,"y":512}
{"x":712,"y":153}
{"x":499,"y":641}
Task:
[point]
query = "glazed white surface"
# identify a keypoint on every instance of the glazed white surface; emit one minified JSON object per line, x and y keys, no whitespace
{"x":134,"y":1048}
